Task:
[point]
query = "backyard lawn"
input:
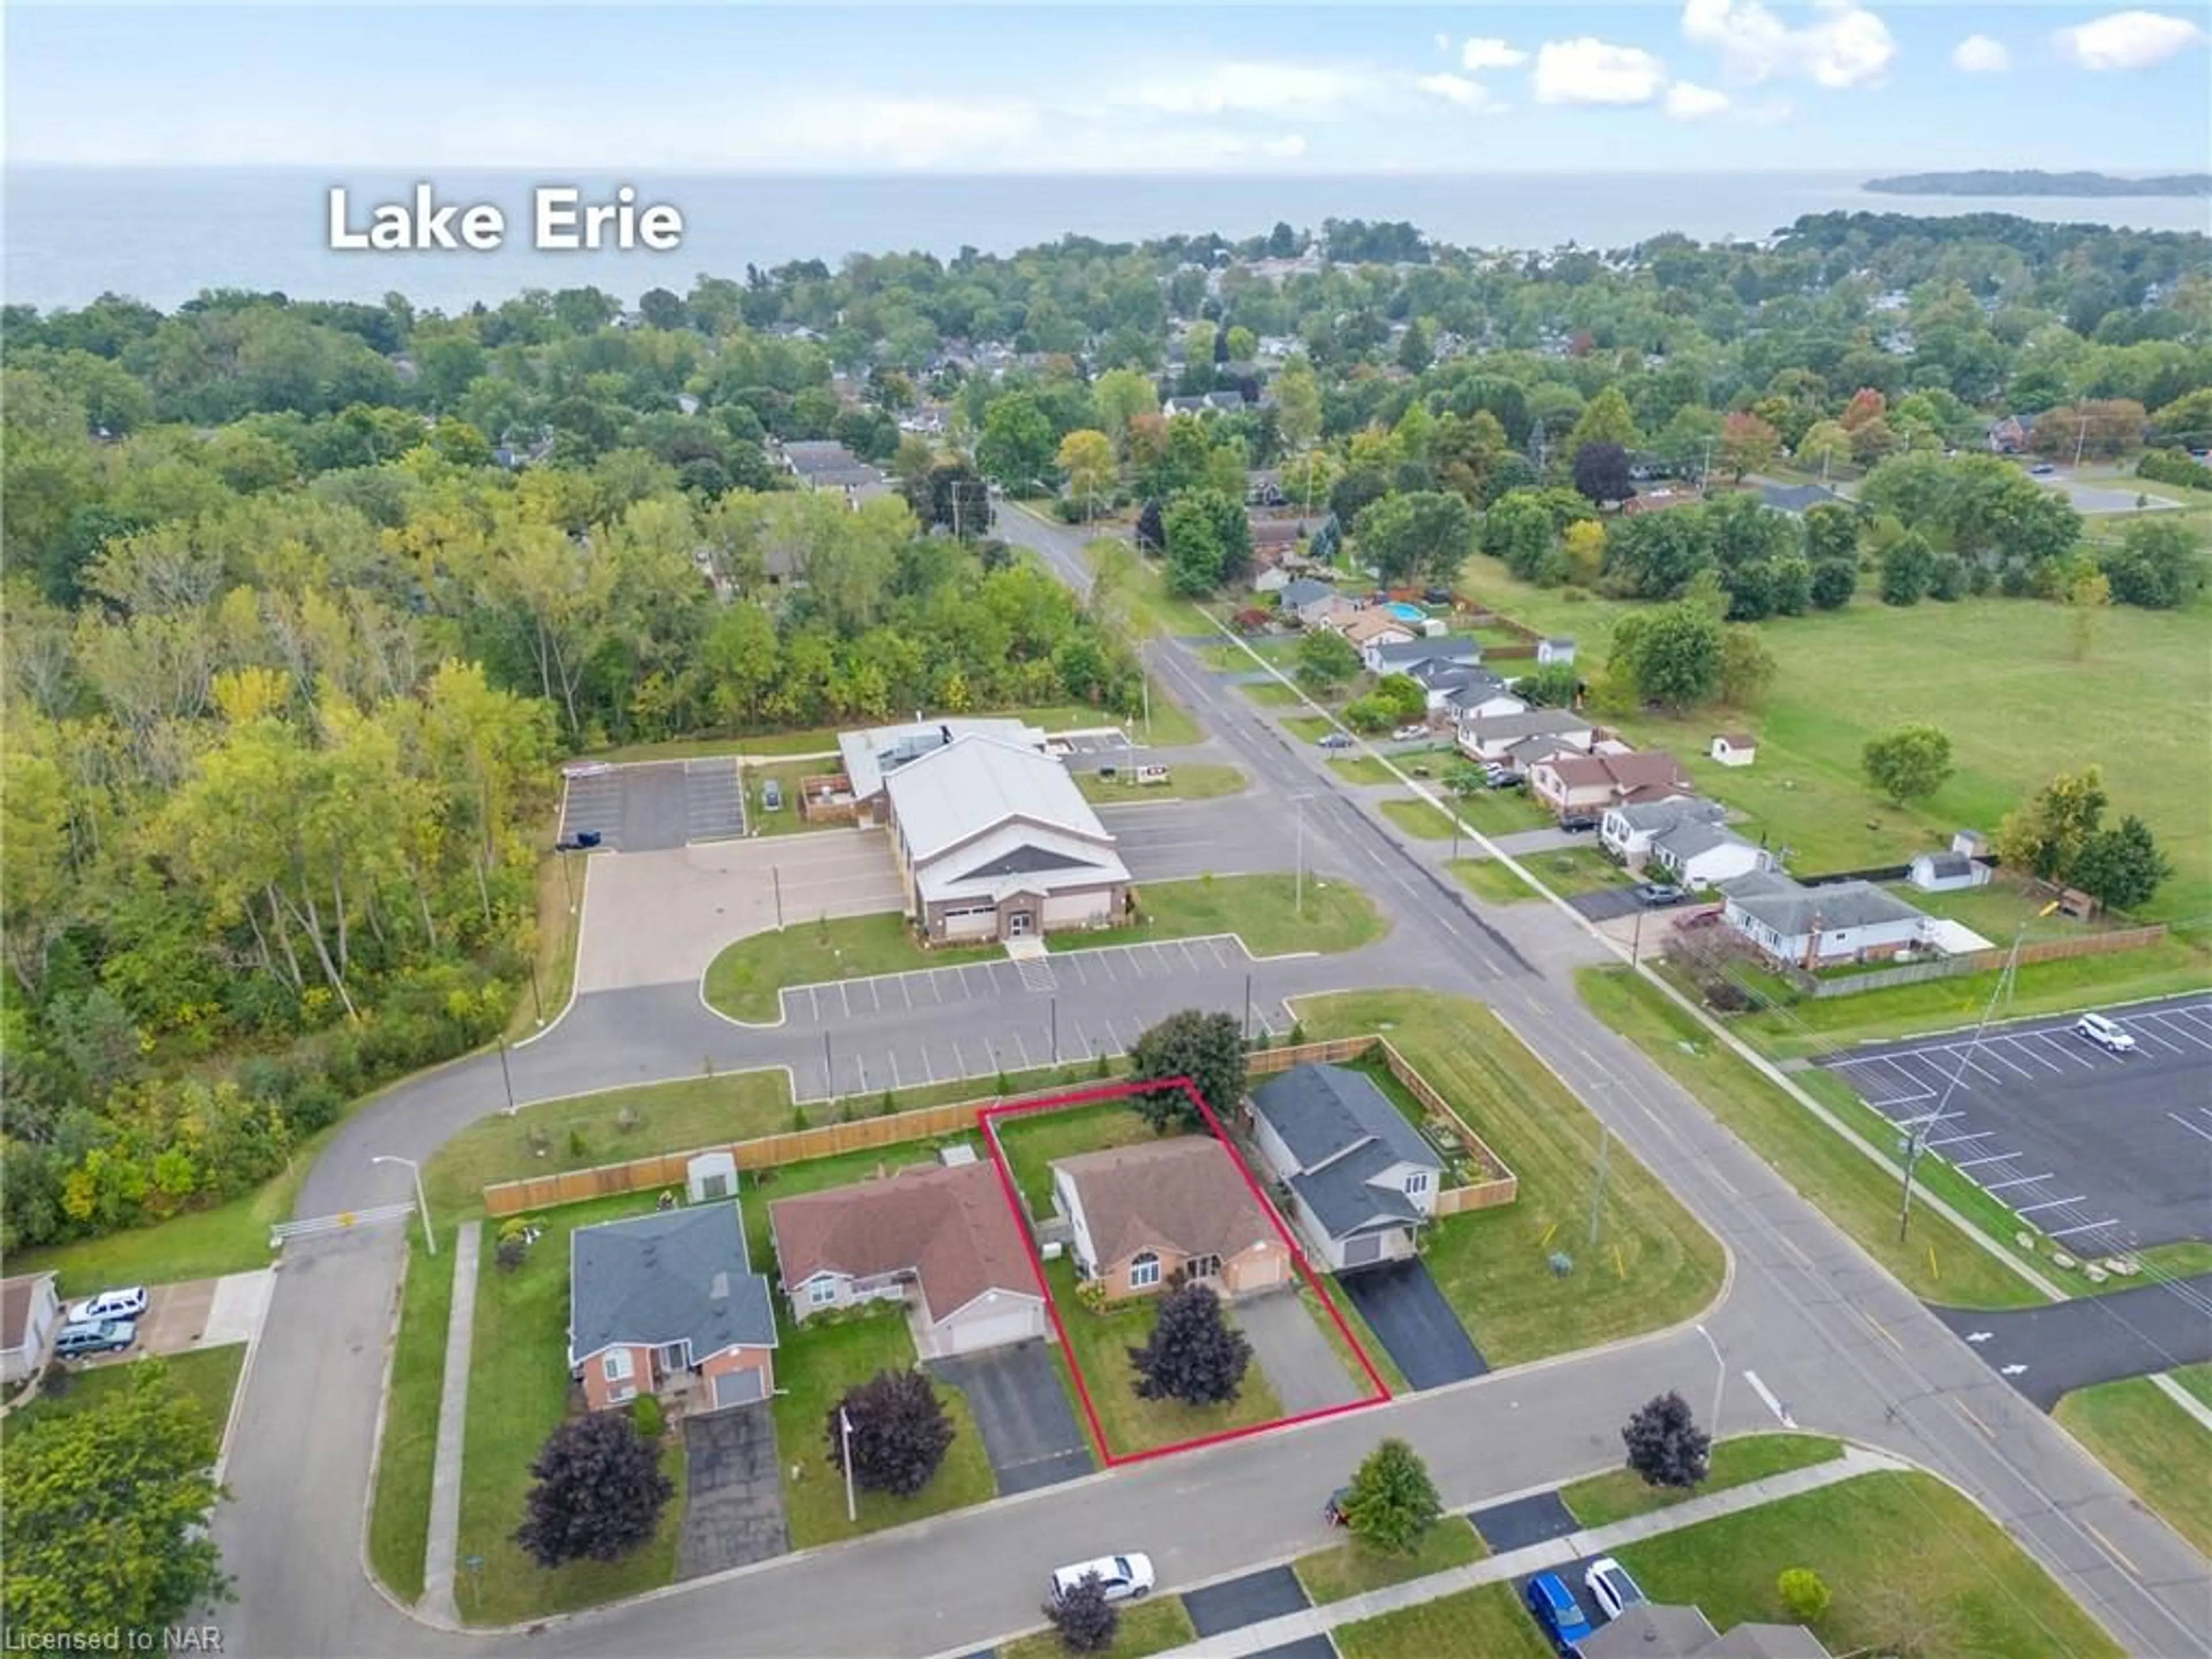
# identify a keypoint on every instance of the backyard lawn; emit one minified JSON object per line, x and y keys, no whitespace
{"x":786,"y":775}
{"x":1655,"y":1264}
{"x":406,"y":1455}
{"x":1488,"y":879}
{"x":1602,"y":1499}
{"x":1101,"y":1342}
{"x":1186,"y":782}
{"x":1034,"y":1141}
{"x":1486,"y":1622}
{"x":814,"y":1363}
{"x":1147,"y":1627}
{"x":1939,"y":1262}
{"x":2153,"y":1445}
{"x":1353,"y":1568}
{"x":1268,"y":912}
{"x":758,"y":1188}
{"x":519,"y":1388}
{"x":1913,"y":1567}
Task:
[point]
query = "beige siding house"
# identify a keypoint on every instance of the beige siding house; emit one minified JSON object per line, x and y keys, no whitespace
{"x":1141,"y":1215}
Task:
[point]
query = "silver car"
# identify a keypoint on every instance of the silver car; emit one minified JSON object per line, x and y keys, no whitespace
{"x":1611,"y":1587}
{"x":1123,"y":1577}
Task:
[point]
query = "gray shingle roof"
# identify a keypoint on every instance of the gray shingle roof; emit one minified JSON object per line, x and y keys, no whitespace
{"x":673,"y":1276}
{"x":1658,"y":817}
{"x":1948,"y":864}
{"x":1304,"y":592}
{"x":1405,"y":656}
{"x":1791,"y":909}
{"x":1535,"y":723}
{"x":1686,"y":841}
{"x":1344,"y":1132}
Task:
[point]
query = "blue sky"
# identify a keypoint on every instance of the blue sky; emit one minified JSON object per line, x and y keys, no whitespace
{"x":1712,"y":85}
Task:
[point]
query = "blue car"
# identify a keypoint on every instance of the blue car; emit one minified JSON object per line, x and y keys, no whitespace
{"x":1554,"y":1609}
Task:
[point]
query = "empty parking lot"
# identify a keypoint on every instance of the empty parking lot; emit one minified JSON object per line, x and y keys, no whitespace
{"x":653,"y":806}
{"x":2102,"y":1151}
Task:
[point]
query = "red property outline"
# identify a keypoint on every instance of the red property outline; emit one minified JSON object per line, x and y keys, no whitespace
{"x":984,"y":1118}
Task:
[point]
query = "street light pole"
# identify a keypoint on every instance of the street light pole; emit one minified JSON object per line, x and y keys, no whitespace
{"x":845,"y":1431}
{"x":1720,"y":1382}
{"x":1299,"y":902}
{"x":422,"y":1204}
{"x":506,"y":1077}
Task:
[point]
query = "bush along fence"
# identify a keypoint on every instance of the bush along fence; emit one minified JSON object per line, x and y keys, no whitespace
{"x":1497,"y":1184}
{"x":1976,"y":962}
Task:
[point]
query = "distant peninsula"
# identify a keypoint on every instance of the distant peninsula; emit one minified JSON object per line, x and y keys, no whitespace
{"x":2032,"y":181}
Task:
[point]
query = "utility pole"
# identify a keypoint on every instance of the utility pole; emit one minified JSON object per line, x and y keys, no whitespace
{"x":537,"y":999}
{"x":506,"y":1077}
{"x":1635,"y":944}
{"x":2080,"y":439}
{"x":828,"y":1071}
{"x":1248,"y":1011}
{"x":1299,"y":902}
{"x":1055,"y":1031}
{"x":1597,"y":1193}
{"x":845,"y":1431}
{"x":1705,"y":468}
{"x":775,"y":875}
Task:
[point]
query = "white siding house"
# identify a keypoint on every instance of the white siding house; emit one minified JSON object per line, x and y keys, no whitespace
{"x":1706,"y":854}
{"x":1813,"y":927}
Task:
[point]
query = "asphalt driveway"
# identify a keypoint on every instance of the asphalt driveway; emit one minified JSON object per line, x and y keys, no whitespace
{"x":2048,"y":1351}
{"x":1608,"y":904}
{"x":733,"y":1498}
{"x":655,"y":806}
{"x":1522,"y":1521}
{"x":1029,"y":1428}
{"x":1252,"y":1600}
{"x":1288,"y":1343}
{"x":1410,"y":1318}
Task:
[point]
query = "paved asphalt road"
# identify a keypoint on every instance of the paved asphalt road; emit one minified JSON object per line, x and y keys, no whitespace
{"x":1824,"y":1328}
{"x":2045,"y":1352}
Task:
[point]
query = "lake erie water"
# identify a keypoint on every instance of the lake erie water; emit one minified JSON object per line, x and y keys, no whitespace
{"x":162,"y":235}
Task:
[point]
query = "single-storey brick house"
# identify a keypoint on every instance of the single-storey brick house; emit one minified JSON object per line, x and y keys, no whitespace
{"x":666,"y":1304}
{"x":942,"y":1239}
{"x":1362,"y":1179}
{"x":30,"y":1314}
{"x":1813,"y":927}
{"x":1591,"y":783}
{"x":1142,"y":1214}
{"x":994,"y":840}
{"x":1373,"y":626}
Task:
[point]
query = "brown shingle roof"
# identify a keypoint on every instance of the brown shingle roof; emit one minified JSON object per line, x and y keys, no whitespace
{"x":952,"y":1228}
{"x":16,"y":1298}
{"x":1646,"y":769}
{"x":1186,"y":1194}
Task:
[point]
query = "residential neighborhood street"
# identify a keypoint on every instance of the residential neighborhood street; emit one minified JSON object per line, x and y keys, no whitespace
{"x":1847,"y":1350}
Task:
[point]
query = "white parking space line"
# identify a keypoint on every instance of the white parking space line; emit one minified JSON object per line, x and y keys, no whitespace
{"x":2144,"y":1034}
{"x":2081,"y":1227}
{"x":2019,"y":1045}
{"x":2024,"y":1181}
{"x":959,"y":1060}
{"x":2073,"y":1051}
{"x":2055,"y":1203}
{"x":2175,"y":1032}
{"x":1024,"y":1047}
{"x":2200,"y":1133}
{"x":1953,"y":1140}
{"x":1082,"y":1038}
{"x":1994,"y":1157}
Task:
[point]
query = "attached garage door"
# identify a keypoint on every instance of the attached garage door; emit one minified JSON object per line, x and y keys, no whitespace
{"x":1076,"y":909}
{"x":972,"y":924}
{"x":989,"y":1327}
{"x":1365,"y":1249}
{"x":738,"y":1388}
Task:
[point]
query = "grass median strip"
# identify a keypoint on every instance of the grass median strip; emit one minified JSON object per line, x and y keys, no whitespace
{"x":1191,"y":780}
{"x":1353,"y":1568}
{"x":1147,"y":1627}
{"x":407,"y":1457}
{"x":1616,"y":1495}
{"x":2153,"y":1445}
{"x":1939,"y":1261}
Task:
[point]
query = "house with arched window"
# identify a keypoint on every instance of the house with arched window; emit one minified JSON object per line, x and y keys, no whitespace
{"x":1141,"y":1215}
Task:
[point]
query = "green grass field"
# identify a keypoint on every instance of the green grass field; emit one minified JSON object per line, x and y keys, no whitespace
{"x":814,"y":1363}
{"x":1618,"y":1494}
{"x":552,"y":945}
{"x":744,"y":980}
{"x":208,"y":1376}
{"x":1939,"y":1262}
{"x":1572,"y":870}
{"x":1420,"y":819}
{"x":1270,"y":694}
{"x":1487,"y":1622}
{"x":2157,"y":1449}
{"x":1914,"y":1567}
{"x":1146,"y":1628}
{"x":1268,"y":912}
{"x":2196,"y":1380}
{"x":1187,"y":781}
{"x":1101,"y":1341}
{"x":1310,"y":728}
{"x":1351,"y":1568}
{"x":406,"y":1457}
{"x":1655,"y":1264}
{"x":1171,"y":725}
{"x":1491,"y":881}
{"x":1998,"y":675}
{"x":1504,"y":811}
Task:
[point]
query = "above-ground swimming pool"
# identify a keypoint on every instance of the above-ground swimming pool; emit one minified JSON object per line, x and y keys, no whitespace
{"x":1403,"y":612}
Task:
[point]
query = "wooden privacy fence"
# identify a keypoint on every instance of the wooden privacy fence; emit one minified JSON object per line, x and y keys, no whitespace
{"x":1975,"y":961}
{"x":672,"y":1170}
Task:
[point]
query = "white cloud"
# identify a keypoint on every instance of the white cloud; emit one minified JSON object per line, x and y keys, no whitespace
{"x":1454,"y":88}
{"x":1443,"y":43}
{"x":1268,"y":89}
{"x":1686,"y":102}
{"x":1591,"y":71}
{"x":1843,"y":45}
{"x":1482,"y":54}
{"x":2128,"y":40}
{"x":1979,"y":55}
{"x":899,"y":132}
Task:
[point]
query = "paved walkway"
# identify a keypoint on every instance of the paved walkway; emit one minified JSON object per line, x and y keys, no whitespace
{"x":1498,"y":1569}
{"x":443,"y":1547}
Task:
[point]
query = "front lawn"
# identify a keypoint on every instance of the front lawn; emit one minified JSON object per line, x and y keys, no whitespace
{"x":815,"y":1363}
{"x":2152,"y":1444}
{"x":1353,"y":1568}
{"x":1035,"y":1141}
{"x":1655,"y":1265}
{"x":1186,"y":781}
{"x":1618,"y":1494}
{"x":743,"y":982}
{"x":1310,"y":728}
{"x":1146,"y":1627}
{"x":1913,"y":1566}
{"x":208,"y":1376}
{"x":1486,"y":1622}
{"x":407,"y":1455}
{"x":1505,"y":812}
{"x":1265,"y":911}
{"x":519,"y":1391}
{"x":1489,"y":880}
{"x":1571,"y":872}
{"x":1101,"y":1342}
{"x":1939,"y":1262}
{"x":1418,"y":819}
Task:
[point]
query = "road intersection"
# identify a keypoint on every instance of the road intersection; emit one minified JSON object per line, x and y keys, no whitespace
{"x":1824,"y":1329}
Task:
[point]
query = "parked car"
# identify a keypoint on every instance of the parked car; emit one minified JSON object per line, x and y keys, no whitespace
{"x":2043,"y":470}
{"x":582,"y":841}
{"x":1333,"y":1511}
{"x":127,"y":1304}
{"x":1556,"y":1612}
{"x":1579,"y":823}
{"x":79,"y":1338}
{"x":1657,"y":894}
{"x":1335,"y":740}
{"x":2106,"y":1034}
{"x":1407,"y":734}
{"x":1437,"y":596}
{"x":771,"y":796}
{"x":1123,"y":1577}
{"x":1701,"y":919}
{"x":1611,"y":1587}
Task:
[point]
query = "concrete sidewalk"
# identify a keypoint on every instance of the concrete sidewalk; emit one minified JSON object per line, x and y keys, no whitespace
{"x":445,"y":1539}
{"x":1498,"y":1569}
